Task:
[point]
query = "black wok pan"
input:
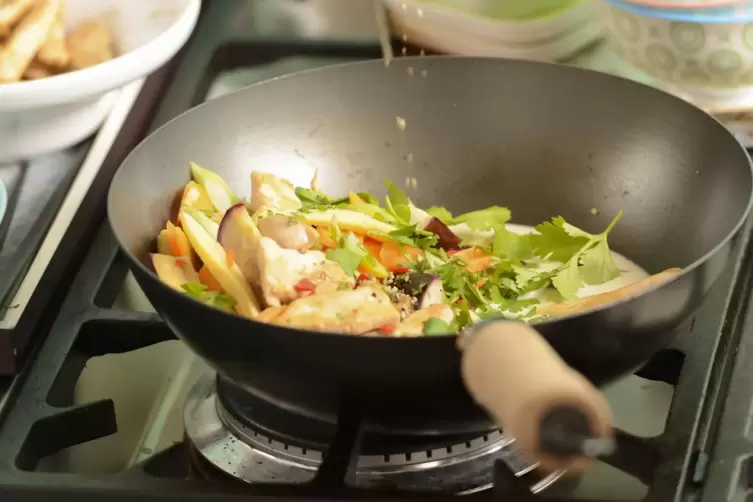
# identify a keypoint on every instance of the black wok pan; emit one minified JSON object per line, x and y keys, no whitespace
{"x":544,"y":140}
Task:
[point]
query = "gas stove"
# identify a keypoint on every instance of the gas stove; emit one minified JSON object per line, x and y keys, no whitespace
{"x":106,"y":403}
{"x":231,"y":435}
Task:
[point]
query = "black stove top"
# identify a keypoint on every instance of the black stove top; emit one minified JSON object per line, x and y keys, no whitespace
{"x":703,"y":453}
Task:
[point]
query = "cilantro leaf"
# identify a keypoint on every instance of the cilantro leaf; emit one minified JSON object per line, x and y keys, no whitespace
{"x":485,"y":219}
{"x":511,"y":246}
{"x":597,"y":264}
{"x":398,"y":204}
{"x":408,"y":235}
{"x":217,"y":299}
{"x":436,"y":326}
{"x":524,"y":276}
{"x":351,"y":254}
{"x":554,"y":242}
{"x":568,"y":281}
{"x":346,"y":258}
{"x":368,"y":198}
{"x":313,"y":199}
{"x":194,"y":289}
{"x":221,"y":300}
{"x":441,"y":214}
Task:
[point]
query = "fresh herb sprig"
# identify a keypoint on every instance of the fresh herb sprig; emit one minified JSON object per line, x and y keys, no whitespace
{"x":351,"y":254}
{"x":214,"y":298}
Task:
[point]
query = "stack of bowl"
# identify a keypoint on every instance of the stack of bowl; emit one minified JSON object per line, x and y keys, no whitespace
{"x":547,"y":30}
{"x":701,"y":48}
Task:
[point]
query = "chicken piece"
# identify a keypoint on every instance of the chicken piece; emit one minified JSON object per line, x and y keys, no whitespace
{"x":330,"y":276}
{"x":54,"y":51}
{"x":413,"y":325}
{"x":282,"y":270}
{"x":277,"y":194}
{"x":26,"y":40}
{"x":288,"y":232}
{"x":356,"y":312}
{"x":11,"y":13}
{"x":89,"y":44}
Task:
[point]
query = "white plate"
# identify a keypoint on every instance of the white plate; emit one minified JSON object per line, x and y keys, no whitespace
{"x":48,"y":114}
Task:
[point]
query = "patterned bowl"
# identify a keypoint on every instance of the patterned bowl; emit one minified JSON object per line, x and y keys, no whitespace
{"x":686,"y":4}
{"x":710,"y":50}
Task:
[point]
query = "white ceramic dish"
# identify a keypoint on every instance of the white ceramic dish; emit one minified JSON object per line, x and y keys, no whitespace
{"x":463,"y":34}
{"x":460,"y":44}
{"x":705,"y":61}
{"x":44,"y":115}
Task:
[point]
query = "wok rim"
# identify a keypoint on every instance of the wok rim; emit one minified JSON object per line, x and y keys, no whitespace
{"x":136,"y":262}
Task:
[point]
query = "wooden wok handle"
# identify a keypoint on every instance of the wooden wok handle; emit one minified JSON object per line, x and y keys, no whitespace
{"x":555,"y":415}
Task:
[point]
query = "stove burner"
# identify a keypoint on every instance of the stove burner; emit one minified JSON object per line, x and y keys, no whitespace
{"x":223,"y":446}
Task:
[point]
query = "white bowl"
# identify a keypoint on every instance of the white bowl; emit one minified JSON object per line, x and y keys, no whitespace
{"x":455,"y":32}
{"x":429,"y":17}
{"x":44,"y":115}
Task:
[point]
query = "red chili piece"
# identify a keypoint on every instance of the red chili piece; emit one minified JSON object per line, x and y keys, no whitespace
{"x":304,"y":285}
{"x":387,"y":329}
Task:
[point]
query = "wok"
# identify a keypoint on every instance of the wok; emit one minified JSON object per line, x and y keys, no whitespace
{"x":541,"y":139}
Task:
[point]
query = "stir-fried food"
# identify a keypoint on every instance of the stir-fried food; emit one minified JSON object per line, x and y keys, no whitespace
{"x":297,"y":257}
{"x":34,"y":44}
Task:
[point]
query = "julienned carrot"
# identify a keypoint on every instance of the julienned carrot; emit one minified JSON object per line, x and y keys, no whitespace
{"x":394,"y":255}
{"x":476,"y":258}
{"x":208,"y":280}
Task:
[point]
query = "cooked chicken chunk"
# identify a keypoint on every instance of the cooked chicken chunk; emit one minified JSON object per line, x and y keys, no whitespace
{"x":413,"y":325}
{"x":277,"y":194}
{"x":359,"y":311}
{"x":282,"y":270}
{"x":288,"y":232}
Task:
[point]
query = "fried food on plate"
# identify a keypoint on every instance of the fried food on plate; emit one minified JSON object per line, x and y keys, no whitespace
{"x":11,"y":12}
{"x":33,"y":42}
{"x":37,"y":70}
{"x":54,"y":51}
{"x":90,"y":44}
{"x":26,"y":39}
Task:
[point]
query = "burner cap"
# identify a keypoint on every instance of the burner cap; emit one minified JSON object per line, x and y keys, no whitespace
{"x":234,"y":445}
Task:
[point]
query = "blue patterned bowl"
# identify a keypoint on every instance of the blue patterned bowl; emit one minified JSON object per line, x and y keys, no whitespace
{"x":697,"y":48}
{"x":685,"y":4}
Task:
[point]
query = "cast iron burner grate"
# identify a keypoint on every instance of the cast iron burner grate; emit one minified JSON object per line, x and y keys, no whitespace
{"x":703,"y":454}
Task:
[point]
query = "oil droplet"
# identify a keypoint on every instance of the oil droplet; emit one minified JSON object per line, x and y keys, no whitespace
{"x":401,"y":123}
{"x":410,"y":71}
{"x":420,"y":12}
{"x":424,"y":73}
{"x":405,"y":50}
{"x":405,"y":38}
{"x":404,"y":6}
